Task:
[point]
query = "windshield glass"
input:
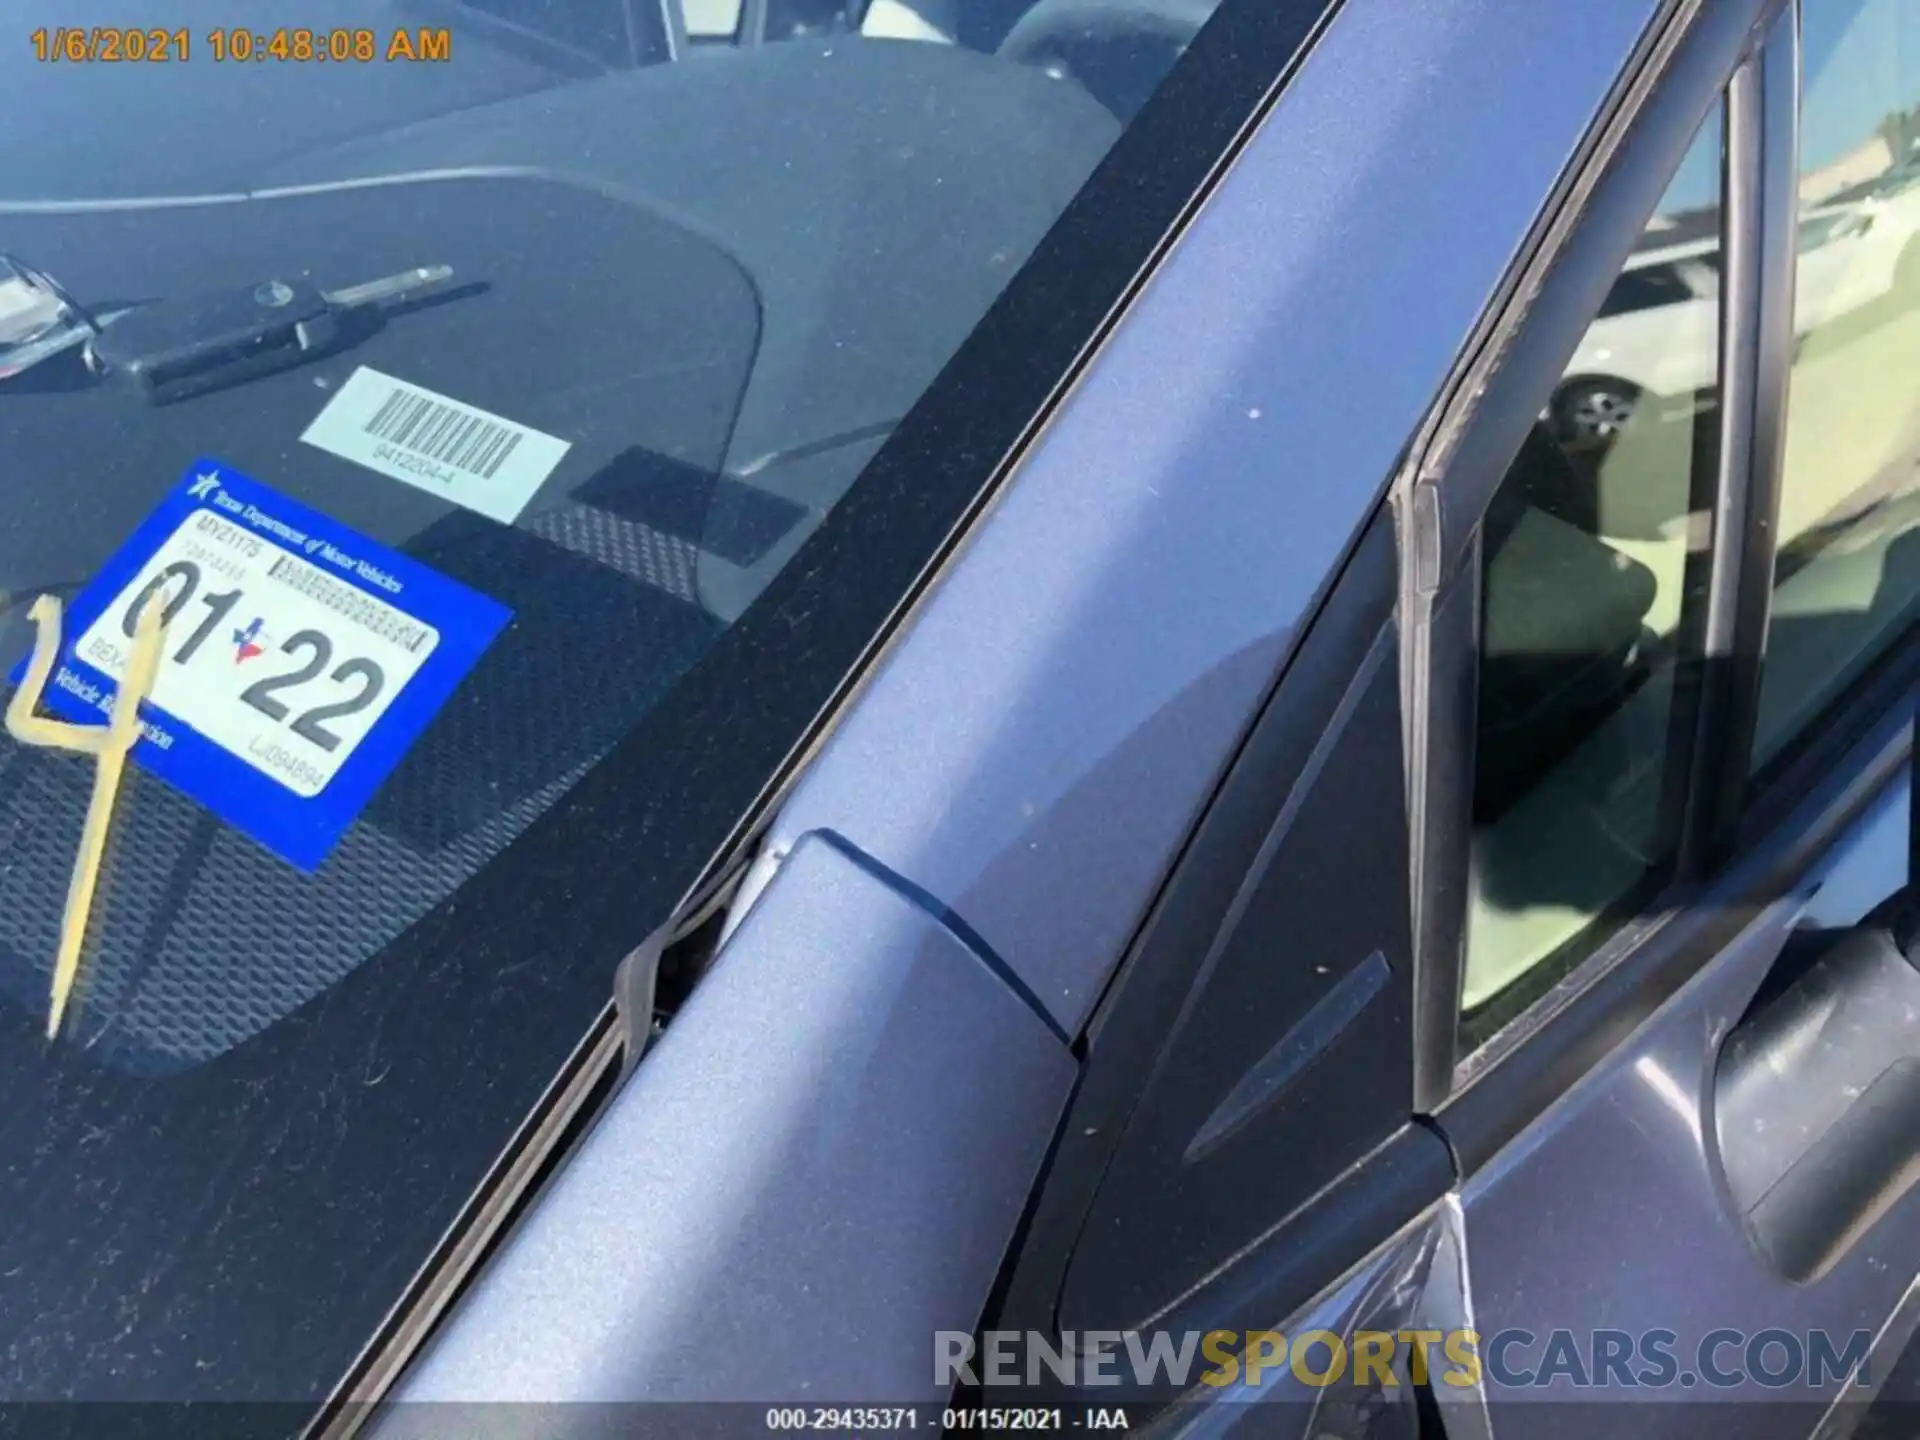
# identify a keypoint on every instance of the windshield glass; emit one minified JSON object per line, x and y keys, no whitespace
{"x":641,"y":329}
{"x":402,"y":411}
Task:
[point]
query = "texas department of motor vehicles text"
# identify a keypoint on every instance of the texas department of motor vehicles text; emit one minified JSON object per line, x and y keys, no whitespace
{"x":1508,"y":1359}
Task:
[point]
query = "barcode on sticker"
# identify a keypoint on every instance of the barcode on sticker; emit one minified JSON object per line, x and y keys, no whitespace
{"x":351,"y":604}
{"x":435,"y":443}
{"x":451,"y":434}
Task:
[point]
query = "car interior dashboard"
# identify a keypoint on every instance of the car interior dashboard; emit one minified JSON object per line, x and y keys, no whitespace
{"x":722,"y":278}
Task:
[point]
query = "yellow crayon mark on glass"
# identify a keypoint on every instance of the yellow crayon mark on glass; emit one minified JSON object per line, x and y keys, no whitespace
{"x":108,"y":744}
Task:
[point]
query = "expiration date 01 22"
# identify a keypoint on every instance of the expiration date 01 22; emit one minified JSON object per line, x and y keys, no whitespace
{"x":265,"y":654}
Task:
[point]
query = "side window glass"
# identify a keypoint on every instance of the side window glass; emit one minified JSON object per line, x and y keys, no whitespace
{"x":1848,"y":570}
{"x":1592,"y":583}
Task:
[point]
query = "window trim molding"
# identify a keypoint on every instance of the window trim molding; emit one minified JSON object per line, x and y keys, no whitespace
{"x":1759,"y":840}
{"x":1761,"y":208}
{"x":1588,"y":227}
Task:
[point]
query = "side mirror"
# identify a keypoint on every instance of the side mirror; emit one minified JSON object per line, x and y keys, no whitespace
{"x":1817,"y":1092}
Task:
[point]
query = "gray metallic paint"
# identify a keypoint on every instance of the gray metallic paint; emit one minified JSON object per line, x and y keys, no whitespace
{"x":1037,"y":744}
{"x":1387,"y":1290}
{"x":1035,"y":750}
{"x":818,"y":1166}
{"x":852,"y":1089}
{"x":1614,"y":1209}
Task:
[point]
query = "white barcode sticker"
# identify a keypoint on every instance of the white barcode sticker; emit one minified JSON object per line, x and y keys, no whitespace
{"x":435,"y":443}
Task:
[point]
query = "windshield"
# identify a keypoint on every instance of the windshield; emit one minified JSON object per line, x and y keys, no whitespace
{"x":403,"y":412}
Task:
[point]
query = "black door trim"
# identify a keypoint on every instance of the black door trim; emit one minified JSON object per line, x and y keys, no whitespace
{"x":1585,"y":236}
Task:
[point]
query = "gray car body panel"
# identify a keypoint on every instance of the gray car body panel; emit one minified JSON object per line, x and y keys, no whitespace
{"x":1613,"y":1211}
{"x":1039,"y":740}
{"x":1036,"y":750}
{"x":1031,"y":753}
{"x":817,"y":1167}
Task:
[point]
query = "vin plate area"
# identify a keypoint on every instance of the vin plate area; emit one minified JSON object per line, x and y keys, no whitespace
{"x":299,"y":661}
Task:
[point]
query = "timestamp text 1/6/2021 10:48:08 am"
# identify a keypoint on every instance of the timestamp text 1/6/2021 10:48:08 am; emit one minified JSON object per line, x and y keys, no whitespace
{"x":129,"y":44}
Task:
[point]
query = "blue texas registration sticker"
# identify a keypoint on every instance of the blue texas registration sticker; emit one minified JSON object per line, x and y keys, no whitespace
{"x":300,"y":660}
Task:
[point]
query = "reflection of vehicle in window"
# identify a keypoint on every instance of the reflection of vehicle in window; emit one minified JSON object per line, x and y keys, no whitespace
{"x":1654,"y":335}
{"x":1857,"y":251}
